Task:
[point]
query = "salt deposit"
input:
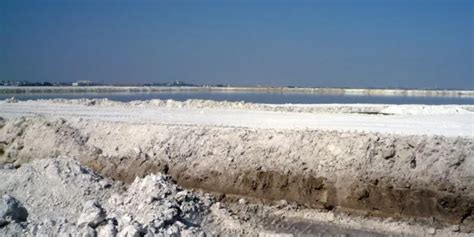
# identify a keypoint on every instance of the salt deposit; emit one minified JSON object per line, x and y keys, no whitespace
{"x":447,"y":120}
{"x":61,"y":196}
{"x":115,"y":166}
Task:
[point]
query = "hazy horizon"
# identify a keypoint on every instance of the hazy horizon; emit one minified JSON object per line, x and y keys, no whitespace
{"x":394,"y":44}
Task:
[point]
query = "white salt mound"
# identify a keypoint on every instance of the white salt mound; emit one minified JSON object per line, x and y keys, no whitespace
{"x":59,"y":196}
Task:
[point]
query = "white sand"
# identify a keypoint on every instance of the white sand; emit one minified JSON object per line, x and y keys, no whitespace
{"x":448,"y":121}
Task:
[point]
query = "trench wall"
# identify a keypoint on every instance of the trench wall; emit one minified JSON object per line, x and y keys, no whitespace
{"x":367,"y":173}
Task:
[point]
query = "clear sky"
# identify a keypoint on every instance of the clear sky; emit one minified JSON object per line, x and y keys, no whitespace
{"x":404,"y":43}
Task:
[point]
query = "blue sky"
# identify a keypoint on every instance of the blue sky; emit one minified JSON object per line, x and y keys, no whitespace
{"x":416,"y":44}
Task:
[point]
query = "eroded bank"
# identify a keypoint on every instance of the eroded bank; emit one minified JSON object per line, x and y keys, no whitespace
{"x":365,"y":173}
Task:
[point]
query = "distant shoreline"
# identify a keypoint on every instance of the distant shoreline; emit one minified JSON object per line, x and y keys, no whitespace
{"x":289,"y":90}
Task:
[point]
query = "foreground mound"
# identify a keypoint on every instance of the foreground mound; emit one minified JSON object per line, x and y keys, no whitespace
{"x":60,"y":196}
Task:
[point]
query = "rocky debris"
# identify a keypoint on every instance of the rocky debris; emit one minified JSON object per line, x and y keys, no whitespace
{"x":54,"y":188}
{"x":155,"y":204}
{"x":281,"y":203}
{"x":13,"y":229}
{"x":107,"y":230}
{"x":65,"y":197}
{"x":455,"y":228}
{"x":92,"y":214}
{"x":431,"y":231}
{"x":53,"y":191}
{"x":8,"y":166}
{"x":130,"y":231}
{"x":242,"y":201}
{"x":12,"y":210}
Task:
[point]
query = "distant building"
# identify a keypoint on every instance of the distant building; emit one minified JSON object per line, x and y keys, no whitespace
{"x":83,"y":83}
{"x":175,"y":83}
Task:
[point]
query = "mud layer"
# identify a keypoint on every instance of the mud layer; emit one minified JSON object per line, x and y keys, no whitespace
{"x":366,"y":173}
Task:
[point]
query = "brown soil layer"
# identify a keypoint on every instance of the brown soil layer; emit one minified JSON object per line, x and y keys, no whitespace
{"x":381,"y":175}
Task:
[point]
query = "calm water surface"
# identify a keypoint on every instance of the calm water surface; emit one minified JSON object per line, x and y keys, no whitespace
{"x":270,"y":98}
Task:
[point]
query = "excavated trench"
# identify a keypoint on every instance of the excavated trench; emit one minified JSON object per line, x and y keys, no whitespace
{"x":316,"y":192}
{"x":422,"y":177}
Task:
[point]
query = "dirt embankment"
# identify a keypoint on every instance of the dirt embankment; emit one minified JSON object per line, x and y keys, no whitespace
{"x":371,"y":174}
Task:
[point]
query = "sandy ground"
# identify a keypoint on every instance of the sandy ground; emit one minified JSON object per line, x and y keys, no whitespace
{"x":408,"y":120}
{"x":357,"y":170}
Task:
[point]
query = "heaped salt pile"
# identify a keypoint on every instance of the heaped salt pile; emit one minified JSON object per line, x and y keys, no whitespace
{"x":52,"y":192}
{"x":61,"y":197}
{"x":154,"y":204}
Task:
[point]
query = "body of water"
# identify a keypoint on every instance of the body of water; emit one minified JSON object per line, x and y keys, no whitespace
{"x":269,"y":98}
